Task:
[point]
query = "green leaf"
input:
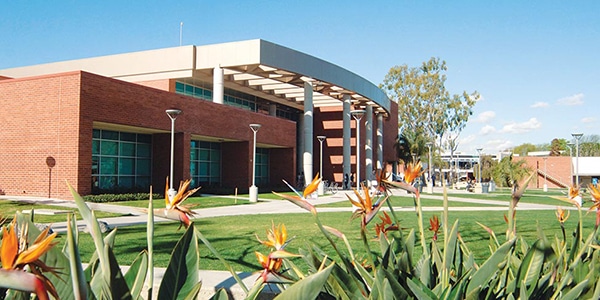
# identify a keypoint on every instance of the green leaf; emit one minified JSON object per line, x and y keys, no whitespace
{"x":531,"y":266}
{"x":420,"y":290}
{"x":76,"y":269}
{"x":490,"y":266}
{"x":181,"y":274}
{"x":451,"y":245}
{"x":193,"y":294}
{"x":92,"y":224}
{"x":344,"y":285}
{"x":397,"y":288}
{"x":221,"y":294}
{"x":136,"y":275}
{"x":255,"y":290}
{"x":307,"y":288}
{"x":576,"y":291}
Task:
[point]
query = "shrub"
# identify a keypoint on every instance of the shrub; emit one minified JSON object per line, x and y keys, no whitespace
{"x":103,"y":198}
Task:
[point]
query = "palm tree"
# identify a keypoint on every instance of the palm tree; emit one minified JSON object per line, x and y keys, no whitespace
{"x":508,"y":172}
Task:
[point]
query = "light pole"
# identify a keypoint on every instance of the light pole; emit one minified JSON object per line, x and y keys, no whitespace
{"x":172,"y":113}
{"x":570,"y":145}
{"x":430,"y":182}
{"x":357,"y":114}
{"x":577,"y":137}
{"x":479,"y":164}
{"x":545,"y":174}
{"x":253,"y":188}
{"x":321,"y":138}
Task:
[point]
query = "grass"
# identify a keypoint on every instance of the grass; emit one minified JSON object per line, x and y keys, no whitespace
{"x":407,"y":201}
{"x":9,"y":207}
{"x":195,"y":202}
{"x":234,"y":237}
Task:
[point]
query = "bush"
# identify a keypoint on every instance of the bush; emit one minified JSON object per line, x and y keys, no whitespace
{"x":120,"y":197}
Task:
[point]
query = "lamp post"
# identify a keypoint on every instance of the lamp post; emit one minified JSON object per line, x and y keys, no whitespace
{"x":172,"y":113}
{"x":479,"y":164}
{"x":357,"y":114}
{"x":253,"y":188}
{"x":545,"y":174}
{"x":577,"y":137}
{"x":570,"y":145}
{"x":430,"y":182}
{"x":320,"y":190}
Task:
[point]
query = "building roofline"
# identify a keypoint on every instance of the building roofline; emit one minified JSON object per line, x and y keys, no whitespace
{"x":265,"y":67}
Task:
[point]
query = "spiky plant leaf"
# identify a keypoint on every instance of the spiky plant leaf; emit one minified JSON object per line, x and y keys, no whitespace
{"x":490,"y":266}
{"x":181,"y":274}
{"x":136,"y":275}
{"x":307,"y":288}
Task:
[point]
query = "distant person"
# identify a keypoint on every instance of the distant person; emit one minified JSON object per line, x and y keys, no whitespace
{"x":433,"y":179}
{"x":346,"y":181}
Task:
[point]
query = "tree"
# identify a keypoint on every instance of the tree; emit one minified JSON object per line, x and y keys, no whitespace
{"x":523,"y":149}
{"x":425,"y":106}
{"x":556,"y":147}
{"x":488,"y":163}
{"x":403,"y":150}
{"x":452,"y":145}
{"x":589,"y":145}
{"x":507,"y":172}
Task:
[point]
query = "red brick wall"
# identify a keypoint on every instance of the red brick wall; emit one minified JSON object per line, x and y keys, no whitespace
{"x":281,"y":171}
{"x":328,"y":122}
{"x":390,"y":133}
{"x":53,"y":116}
{"x":556,"y":166}
{"x":235,"y":170}
{"x":40,"y":122}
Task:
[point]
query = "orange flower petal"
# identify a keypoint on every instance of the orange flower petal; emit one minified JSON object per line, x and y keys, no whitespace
{"x":10,"y":247}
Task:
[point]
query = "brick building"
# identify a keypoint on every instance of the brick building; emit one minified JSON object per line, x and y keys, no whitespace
{"x":100,"y":123}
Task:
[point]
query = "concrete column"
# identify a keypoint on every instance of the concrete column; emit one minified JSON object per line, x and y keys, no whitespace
{"x":273,"y":109}
{"x":307,"y":157}
{"x":379,"y":141}
{"x":346,"y":167}
{"x":369,"y":144}
{"x":300,"y":148}
{"x":218,"y":89}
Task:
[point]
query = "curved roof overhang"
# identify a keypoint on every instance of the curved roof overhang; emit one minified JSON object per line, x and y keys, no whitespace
{"x":278,"y":73}
{"x":256,"y":67}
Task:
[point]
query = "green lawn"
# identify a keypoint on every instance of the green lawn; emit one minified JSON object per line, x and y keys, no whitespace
{"x":404,"y":201}
{"x":195,"y":202}
{"x":8,"y":209}
{"x":234,"y":237}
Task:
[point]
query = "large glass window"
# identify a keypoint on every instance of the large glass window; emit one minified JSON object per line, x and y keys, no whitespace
{"x":205,"y":163}
{"x":195,"y":91}
{"x":121,"y":161}
{"x":262,"y":166}
{"x":235,"y":98}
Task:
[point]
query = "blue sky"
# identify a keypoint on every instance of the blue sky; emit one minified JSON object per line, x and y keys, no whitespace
{"x":535,"y":63}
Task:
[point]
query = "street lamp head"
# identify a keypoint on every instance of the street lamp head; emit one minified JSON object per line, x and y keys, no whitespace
{"x":429,"y":144}
{"x":173,"y":113}
{"x":358,"y":113}
{"x":321,"y":138}
{"x":255,"y":127}
{"x":479,"y":150}
{"x":577,"y":135}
